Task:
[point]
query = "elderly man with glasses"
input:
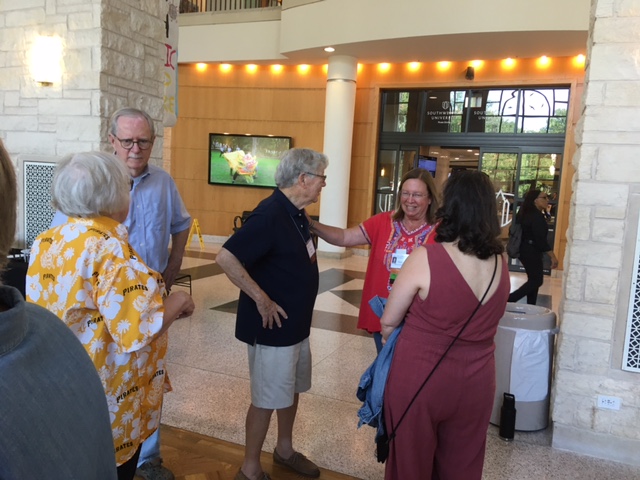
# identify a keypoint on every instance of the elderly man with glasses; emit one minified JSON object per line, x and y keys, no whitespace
{"x":156,"y":215}
{"x":278,"y":280}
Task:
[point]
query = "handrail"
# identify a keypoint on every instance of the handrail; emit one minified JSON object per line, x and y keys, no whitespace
{"x":196,"y":6}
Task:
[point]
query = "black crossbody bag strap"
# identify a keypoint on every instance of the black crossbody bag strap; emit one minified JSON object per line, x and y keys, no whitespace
{"x":392,"y":435}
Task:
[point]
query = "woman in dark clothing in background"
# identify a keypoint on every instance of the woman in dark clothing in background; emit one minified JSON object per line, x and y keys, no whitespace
{"x":534,"y":244}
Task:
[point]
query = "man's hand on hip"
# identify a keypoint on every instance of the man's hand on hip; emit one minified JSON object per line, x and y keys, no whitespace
{"x":270,"y":312}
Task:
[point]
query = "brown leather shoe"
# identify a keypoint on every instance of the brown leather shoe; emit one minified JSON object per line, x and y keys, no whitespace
{"x":242,"y":476}
{"x":298,"y":463}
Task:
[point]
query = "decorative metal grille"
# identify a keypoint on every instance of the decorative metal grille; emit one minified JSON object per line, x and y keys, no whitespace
{"x":38,"y":212}
{"x":631,"y":360}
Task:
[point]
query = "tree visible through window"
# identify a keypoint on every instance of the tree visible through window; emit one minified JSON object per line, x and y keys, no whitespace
{"x":537,"y":110}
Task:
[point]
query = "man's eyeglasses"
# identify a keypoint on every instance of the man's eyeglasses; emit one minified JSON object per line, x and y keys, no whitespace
{"x":417,"y":196}
{"x":128,"y":143}
{"x":323,"y":177}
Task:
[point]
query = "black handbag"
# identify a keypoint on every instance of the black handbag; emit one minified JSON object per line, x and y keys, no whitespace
{"x":383,"y":441}
{"x":382,"y":446}
{"x":515,"y":239}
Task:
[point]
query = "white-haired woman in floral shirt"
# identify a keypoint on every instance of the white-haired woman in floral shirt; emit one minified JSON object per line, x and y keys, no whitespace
{"x":86,"y":273}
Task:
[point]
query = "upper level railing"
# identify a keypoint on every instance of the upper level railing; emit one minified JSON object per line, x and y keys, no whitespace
{"x":194,"y":6}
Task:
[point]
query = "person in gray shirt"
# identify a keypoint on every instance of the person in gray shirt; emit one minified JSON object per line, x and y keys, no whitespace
{"x":54,"y":417}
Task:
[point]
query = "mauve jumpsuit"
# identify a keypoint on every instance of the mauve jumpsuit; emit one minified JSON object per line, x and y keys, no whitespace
{"x":444,"y":432}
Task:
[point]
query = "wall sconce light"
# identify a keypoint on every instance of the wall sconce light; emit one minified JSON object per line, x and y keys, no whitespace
{"x":470,"y":73}
{"x":46,"y":57}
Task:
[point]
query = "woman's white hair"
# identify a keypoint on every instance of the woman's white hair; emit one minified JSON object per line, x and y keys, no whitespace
{"x":91,"y":184}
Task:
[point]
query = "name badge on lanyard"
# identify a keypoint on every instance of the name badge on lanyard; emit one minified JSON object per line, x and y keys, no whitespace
{"x":398,"y":258}
{"x":311,"y":250}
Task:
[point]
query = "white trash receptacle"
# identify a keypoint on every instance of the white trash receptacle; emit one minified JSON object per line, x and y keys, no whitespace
{"x":524,"y":357}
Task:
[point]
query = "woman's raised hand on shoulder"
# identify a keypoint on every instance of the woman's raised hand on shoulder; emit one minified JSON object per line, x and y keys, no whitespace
{"x":342,"y":237}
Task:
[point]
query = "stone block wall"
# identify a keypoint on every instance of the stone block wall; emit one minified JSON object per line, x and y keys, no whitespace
{"x":601,"y":246}
{"x":113,"y":53}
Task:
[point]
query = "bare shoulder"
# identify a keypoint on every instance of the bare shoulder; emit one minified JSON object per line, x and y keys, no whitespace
{"x":419,"y":256}
{"x":476,"y":272}
{"x":417,"y":268}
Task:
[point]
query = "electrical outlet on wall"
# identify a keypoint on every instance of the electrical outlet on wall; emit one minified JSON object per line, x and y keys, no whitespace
{"x":609,"y":403}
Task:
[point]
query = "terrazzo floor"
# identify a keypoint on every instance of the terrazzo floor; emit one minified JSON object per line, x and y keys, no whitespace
{"x":210,"y":378}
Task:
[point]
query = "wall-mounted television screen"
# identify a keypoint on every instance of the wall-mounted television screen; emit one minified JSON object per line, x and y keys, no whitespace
{"x":245,"y":160}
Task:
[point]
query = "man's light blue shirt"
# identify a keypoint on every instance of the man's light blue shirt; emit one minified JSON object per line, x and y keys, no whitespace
{"x":156,"y":212}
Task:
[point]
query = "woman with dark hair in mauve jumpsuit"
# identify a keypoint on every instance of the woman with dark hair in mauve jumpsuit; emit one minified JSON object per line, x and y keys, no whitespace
{"x":443,"y":434}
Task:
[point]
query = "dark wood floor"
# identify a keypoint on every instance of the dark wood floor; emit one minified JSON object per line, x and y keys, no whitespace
{"x":191,"y":456}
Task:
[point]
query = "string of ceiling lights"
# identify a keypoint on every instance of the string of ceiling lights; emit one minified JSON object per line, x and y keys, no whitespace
{"x":472,"y":66}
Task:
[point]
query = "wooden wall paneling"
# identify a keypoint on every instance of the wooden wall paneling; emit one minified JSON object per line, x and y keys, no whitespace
{"x":358,"y":202}
{"x":362,"y":157}
{"x":566,"y":185}
{"x":364,"y":102}
{"x":290,"y":103}
{"x":190,"y":164}
{"x":360,"y":181}
{"x":361,"y":176}
{"x":364,"y":139}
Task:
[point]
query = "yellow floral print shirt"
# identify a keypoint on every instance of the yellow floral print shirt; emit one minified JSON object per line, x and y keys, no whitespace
{"x":86,"y":273}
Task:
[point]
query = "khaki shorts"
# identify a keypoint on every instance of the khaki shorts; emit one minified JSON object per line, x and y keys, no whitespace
{"x":277,"y":373}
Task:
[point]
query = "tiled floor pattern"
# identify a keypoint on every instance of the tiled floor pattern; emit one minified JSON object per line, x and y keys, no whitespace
{"x":209,"y":373}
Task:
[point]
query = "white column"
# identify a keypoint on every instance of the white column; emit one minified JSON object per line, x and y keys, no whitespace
{"x":338,"y":134}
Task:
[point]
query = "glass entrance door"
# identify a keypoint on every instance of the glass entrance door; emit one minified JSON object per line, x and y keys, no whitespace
{"x":514,"y":172}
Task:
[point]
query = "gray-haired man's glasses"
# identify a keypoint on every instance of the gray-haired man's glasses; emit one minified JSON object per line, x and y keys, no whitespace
{"x":323,"y":177}
{"x":128,"y":143}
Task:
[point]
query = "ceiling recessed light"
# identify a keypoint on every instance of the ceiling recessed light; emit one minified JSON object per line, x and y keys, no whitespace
{"x":329,"y":49}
